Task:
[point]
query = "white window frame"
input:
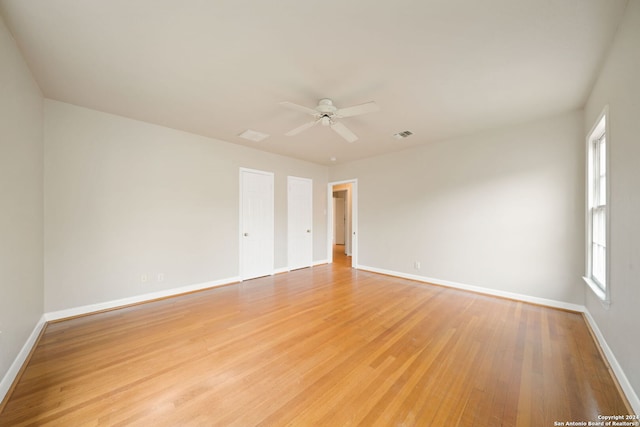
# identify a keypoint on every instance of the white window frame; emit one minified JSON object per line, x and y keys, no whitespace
{"x":597,"y":276}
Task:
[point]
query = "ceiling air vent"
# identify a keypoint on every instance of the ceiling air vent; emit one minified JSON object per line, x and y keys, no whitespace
{"x":403,"y":134}
{"x":253,"y":135}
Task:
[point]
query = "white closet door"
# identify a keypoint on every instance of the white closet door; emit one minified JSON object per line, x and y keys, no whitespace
{"x":300,"y":222}
{"x":256,"y":224}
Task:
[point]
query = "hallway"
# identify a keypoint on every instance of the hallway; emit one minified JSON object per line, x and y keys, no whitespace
{"x":339,"y":257}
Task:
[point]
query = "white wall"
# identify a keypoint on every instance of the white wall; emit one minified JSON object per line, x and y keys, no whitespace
{"x":21,"y":271}
{"x":619,"y":87}
{"x":501,"y":210}
{"x":125,"y":198}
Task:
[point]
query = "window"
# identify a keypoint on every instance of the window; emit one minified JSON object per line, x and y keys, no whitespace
{"x":597,"y":210}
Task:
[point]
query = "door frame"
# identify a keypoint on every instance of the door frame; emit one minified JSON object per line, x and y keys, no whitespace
{"x":354,"y":220}
{"x":241,"y":223}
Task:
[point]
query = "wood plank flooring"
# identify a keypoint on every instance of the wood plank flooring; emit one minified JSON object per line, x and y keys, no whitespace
{"x":321,"y":346}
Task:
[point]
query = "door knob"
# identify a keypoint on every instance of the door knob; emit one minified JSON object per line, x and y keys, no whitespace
{"x":308,"y":231}
{"x":246,"y":234}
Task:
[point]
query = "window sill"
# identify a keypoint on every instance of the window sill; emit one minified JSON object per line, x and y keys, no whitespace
{"x":602,"y":295}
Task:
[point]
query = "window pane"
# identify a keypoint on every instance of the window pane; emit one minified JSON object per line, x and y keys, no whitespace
{"x":601,"y":225}
{"x":598,"y":246}
{"x":599,"y":256}
{"x":598,"y":226}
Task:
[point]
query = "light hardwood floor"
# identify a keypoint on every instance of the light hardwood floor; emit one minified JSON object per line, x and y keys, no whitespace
{"x":321,"y":346}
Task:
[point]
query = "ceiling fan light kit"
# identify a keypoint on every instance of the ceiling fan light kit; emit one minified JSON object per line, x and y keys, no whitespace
{"x":328,"y":114}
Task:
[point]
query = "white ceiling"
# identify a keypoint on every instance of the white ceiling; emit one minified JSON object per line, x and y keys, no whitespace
{"x":439,"y":68}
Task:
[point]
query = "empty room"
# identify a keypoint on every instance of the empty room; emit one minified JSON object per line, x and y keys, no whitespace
{"x":240,"y":213}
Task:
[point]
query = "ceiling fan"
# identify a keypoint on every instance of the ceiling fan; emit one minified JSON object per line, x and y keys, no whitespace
{"x":328,"y":114}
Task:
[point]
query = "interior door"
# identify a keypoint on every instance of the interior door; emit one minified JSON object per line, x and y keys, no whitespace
{"x":256,"y":224}
{"x":300,"y":222}
{"x":339,"y":220}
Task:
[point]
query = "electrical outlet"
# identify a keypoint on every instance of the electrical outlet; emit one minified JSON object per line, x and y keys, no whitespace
{"x":160,"y":277}
{"x":416,"y":265}
{"x":144,"y":278}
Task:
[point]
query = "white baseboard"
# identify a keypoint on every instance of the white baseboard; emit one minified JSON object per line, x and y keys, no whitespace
{"x":628,"y":390}
{"x":21,"y":358}
{"x":493,"y":292}
{"x":92,"y":308}
{"x":320,"y":262}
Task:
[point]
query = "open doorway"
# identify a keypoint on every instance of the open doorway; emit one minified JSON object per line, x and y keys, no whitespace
{"x":342,"y":241}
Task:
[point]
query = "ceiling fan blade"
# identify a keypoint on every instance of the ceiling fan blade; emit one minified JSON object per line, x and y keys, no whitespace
{"x":356,"y":110}
{"x":296,"y":107}
{"x":304,"y":127}
{"x":344,"y":131}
